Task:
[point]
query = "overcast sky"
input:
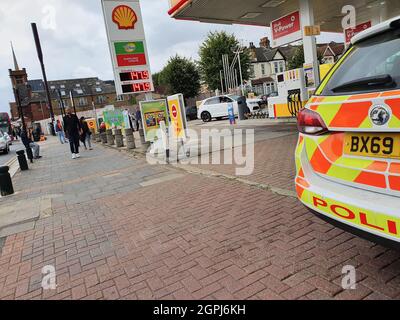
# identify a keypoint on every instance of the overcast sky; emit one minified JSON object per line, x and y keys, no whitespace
{"x":74,"y":39}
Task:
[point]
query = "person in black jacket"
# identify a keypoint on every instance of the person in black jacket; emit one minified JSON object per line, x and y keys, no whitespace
{"x":73,"y":130}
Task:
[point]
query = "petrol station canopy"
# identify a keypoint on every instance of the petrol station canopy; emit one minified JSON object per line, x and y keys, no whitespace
{"x":327,"y":13}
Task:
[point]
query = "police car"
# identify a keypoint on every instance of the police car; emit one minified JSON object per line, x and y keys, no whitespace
{"x":348,"y":152}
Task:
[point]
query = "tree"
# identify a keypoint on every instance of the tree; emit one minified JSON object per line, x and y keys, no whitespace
{"x":211,"y":51}
{"x":297,"y":61}
{"x":180,"y":75}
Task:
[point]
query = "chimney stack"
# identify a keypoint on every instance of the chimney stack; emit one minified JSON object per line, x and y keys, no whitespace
{"x":265,"y":43}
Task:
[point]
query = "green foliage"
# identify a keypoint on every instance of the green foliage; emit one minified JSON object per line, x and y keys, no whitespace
{"x":297,"y":60}
{"x":180,"y":75}
{"x":211,"y":51}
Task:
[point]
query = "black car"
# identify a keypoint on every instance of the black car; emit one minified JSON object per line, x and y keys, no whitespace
{"x":191,"y":113}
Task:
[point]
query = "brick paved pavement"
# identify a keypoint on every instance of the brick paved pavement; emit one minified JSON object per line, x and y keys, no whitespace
{"x":121,"y":229}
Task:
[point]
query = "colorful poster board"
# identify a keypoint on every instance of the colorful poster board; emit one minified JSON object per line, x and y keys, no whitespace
{"x":177,"y":112}
{"x":114,"y":119}
{"x":153,"y":112}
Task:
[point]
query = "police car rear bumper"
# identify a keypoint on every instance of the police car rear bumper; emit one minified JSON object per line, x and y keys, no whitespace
{"x":373,"y":215}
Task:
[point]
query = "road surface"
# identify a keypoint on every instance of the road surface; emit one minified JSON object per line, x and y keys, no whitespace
{"x":4,"y":158}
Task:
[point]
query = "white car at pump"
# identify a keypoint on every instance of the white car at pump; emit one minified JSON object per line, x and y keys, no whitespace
{"x":217,"y":107}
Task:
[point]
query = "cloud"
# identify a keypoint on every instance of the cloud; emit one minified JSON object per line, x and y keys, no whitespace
{"x":74,"y":40}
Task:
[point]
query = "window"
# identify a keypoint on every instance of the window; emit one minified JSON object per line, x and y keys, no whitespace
{"x":279,"y":66}
{"x":212,"y":101}
{"x":52,"y":87}
{"x":225,"y":100}
{"x":101,"y":99}
{"x":329,"y":59}
{"x":252,"y":71}
{"x":63,"y":93}
{"x":376,"y":57}
{"x":62,"y":86}
{"x":99,"y":90}
{"x":263,"y":69}
{"x":78,"y":85}
{"x":79,"y":91}
{"x":82,"y":102}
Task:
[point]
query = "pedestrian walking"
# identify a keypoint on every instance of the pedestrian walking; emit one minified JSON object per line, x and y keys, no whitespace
{"x":103,"y":127}
{"x":26,"y":138}
{"x":86,"y":134}
{"x":58,"y":128}
{"x":73,"y":130}
{"x":138,"y":118}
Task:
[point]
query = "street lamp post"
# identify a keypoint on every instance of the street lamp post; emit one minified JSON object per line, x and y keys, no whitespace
{"x":46,"y":85}
{"x":20,"y":111}
{"x":62,"y":106}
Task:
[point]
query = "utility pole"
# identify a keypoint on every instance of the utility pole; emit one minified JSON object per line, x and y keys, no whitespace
{"x":46,"y":85}
{"x":71,"y":95}
{"x":62,"y":106}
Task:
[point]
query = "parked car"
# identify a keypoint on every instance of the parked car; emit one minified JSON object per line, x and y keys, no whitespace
{"x":217,"y":107}
{"x":8,"y":138}
{"x":348,"y":152}
{"x":4,"y":144}
{"x":191,"y":113}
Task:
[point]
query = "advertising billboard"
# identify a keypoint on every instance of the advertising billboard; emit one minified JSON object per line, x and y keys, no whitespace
{"x":153,"y":112}
{"x":286,"y":29}
{"x":176,"y":106}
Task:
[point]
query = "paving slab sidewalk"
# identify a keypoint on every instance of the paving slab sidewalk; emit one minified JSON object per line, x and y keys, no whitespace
{"x":119,"y":228}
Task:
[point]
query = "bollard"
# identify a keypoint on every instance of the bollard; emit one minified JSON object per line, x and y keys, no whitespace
{"x":6,"y":187}
{"x":142,"y":139}
{"x":23,"y":164}
{"x":103,"y":137}
{"x":110,"y":137}
{"x":29,"y":154}
{"x":119,"y":142}
{"x":130,"y":139}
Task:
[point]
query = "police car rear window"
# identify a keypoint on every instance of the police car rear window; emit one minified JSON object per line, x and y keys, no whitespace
{"x":373,"y":65}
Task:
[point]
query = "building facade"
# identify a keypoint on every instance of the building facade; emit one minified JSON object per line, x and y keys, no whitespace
{"x":266,"y":63}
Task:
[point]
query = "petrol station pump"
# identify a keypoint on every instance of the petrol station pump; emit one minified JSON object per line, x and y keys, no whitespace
{"x":292,"y":94}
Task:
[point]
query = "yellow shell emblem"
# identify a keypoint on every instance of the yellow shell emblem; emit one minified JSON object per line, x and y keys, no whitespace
{"x":124,"y":17}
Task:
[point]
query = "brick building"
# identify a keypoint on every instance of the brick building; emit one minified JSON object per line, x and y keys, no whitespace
{"x":84,"y":93}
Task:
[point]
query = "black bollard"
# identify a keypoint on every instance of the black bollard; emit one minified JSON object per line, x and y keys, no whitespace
{"x":23,"y":164}
{"x":29,"y":153}
{"x":6,"y":187}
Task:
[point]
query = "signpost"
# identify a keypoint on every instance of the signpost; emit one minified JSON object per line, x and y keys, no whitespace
{"x":127,"y":44}
{"x":153,"y":112}
{"x":286,"y":29}
{"x":176,"y":106}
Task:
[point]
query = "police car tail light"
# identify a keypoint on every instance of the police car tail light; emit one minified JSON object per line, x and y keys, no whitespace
{"x":310,"y":122}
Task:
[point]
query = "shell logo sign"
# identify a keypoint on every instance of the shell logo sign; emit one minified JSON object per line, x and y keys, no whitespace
{"x":125,"y":17}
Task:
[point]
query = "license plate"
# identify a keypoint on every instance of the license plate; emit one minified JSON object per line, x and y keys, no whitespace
{"x":380,"y":145}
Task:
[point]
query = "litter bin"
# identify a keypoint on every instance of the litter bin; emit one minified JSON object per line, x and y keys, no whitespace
{"x":6,"y":186}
